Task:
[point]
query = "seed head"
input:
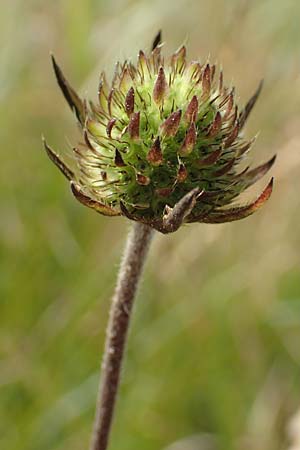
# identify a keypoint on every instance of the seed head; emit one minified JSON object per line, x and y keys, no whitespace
{"x":163,"y":145}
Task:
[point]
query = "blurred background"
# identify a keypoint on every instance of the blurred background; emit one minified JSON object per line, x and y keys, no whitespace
{"x":214,"y":351}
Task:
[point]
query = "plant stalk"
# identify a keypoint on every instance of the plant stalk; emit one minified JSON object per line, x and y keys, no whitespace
{"x":130,"y":272}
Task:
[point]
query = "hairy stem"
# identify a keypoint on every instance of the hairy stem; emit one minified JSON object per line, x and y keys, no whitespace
{"x":129,"y":275}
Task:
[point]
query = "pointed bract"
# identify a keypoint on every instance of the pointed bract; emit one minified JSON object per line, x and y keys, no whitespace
{"x":129,"y":102}
{"x":254,"y":175}
{"x":171,"y":124}
{"x":182,"y":174}
{"x":134,"y":126}
{"x":189,"y":140}
{"x":160,"y":89}
{"x":206,"y":81}
{"x":70,"y":95}
{"x":155,"y":156}
{"x":249,"y":106}
{"x":142,"y":179}
{"x":157,"y":40}
{"x":58,"y":162}
{"x":91,"y":203}
{"x":215,"y":126}
{"x":192,"y":110}
{"x":241,"y":212}
{"x":118,"y":159}
{"x":210,"y":159}
{"x":110,"y":126}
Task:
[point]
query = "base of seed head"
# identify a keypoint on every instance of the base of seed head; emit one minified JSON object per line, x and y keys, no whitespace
{"x":163,"y":145}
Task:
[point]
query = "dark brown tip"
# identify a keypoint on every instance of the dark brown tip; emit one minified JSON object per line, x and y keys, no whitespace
{"x":134,"y":126}
{"x":118,"y":159}
{"x":171,"y":124}
{"x":212,"y":72}
{"x":209,"y":160}
{"x":221,"y":81}
{"x":164,"y":192}
{"x":216,"y":126}
{"x":143,"y":180}
{"x":58,"y":162}
{"x":157,"y":40}
{"x":155,"y":156}
{"x":109,"y":127}
{"x":69,"y":93}
{"x":232,"y":136}
{"x":192,"y":110}
{"x":240,"y":212}
{"x":206,"y":81}
{"x":249,"y":106}
{"x":182,"y":173}
{"x":189,"y":140}
{"x":129,"y":102}
{"x":229,"y":105}
{"x":91,"y":203}
{"x":254,"y":175}
{"x":160,"y":89}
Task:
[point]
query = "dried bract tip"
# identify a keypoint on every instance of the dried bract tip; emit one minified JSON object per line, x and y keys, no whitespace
{"x":160,"y":89}
{"x":210,"y":159}
{"x":240,"y":212}
{"x":129,"y":101}
{"x":229,"y":102}
{"x":58,"y":162}
{"x":192,"y":110}
{"x":189,"y":140}
{"x":142,"y":179}
{"x":206,"y":81}
{"x":111,"y":123}
{"x":232,"y":136}
{"x":155,"y":156}
{"x":70,"y":95}
{"x":91,"y":203}
{"x":134,"y":126}
{"x":118,"y":159}
{"x":182,"y":173}
{"x":248,"y":108}
{"x":215,"y":126}
{"x":170,"y":126}
{"x":157,"y":40}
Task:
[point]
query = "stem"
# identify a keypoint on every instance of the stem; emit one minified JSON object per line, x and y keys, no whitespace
{"x":129,"y":275}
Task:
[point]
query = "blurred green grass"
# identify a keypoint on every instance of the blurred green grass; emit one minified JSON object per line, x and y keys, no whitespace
{"x":214,"y":345}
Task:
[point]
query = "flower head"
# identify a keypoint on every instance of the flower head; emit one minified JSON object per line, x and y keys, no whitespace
{"x":163,"y":145}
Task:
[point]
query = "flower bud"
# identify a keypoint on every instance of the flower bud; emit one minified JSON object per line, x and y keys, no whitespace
{"x":163,"y":145}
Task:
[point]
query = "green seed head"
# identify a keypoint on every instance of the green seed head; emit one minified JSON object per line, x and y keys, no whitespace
{"x":163,"y":144}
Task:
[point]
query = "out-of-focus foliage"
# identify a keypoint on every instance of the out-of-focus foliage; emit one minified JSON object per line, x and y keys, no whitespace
{"x":214,"y":354}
